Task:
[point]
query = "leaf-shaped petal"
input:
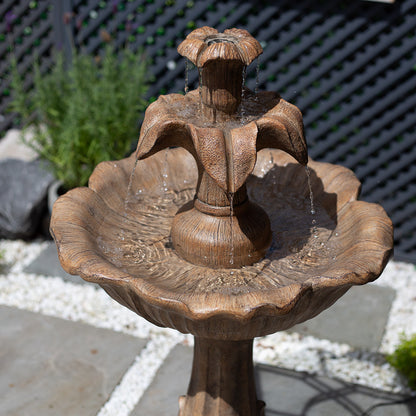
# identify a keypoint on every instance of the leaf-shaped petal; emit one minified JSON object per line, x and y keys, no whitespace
{"x":211,"y":149}
{"x":249,"y":47}
{"x":282,"y":128}
{"x":194,"y":43}
{"x":242,"y":155}
{"x":162,"y":129}
{"x":224,"y":50}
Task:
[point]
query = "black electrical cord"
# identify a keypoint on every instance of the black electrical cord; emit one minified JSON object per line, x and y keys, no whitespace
{"x":390,"y":403}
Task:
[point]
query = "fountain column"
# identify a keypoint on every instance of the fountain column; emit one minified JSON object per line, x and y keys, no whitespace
{"x":222,"y":380}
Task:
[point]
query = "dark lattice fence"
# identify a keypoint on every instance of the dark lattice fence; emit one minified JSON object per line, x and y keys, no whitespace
{"x":349,"y":65}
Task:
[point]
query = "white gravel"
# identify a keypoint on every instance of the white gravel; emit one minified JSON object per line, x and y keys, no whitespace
{"x":89,"y":304}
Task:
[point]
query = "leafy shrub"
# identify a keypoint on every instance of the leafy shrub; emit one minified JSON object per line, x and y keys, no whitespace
{"x":83,"y":114}
{"x":404,"y":359}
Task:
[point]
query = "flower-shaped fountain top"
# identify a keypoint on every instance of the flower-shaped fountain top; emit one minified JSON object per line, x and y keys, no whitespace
{"x":223,"y":125}
{"x":227,"y":136}
{"x":207,"y":44}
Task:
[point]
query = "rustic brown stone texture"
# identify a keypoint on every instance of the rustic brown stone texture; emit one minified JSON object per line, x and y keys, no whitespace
{"x":222,"y":380}
{"x":131,"y":256}
{"x":234,"y":197}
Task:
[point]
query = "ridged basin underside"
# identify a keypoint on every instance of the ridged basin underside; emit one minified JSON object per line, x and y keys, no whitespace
{"x":119,"y":237}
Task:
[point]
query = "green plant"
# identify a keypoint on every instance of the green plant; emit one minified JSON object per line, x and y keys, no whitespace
{"x":83,"y":114}
{"x":404,"y":359}
{"x":1,"y":260}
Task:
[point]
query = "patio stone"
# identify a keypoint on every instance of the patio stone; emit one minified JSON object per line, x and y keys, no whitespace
{"x":285,"y":392}
{"x":342,"y":322}
{"x":47,"y":264}
{"x":52,"y":367}
{"x":170,"y":382}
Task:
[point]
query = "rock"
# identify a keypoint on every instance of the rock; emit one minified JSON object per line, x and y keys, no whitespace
{"x":12,"y":146}
{"x":23,"y":190}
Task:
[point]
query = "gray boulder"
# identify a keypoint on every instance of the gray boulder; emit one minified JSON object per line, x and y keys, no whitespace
{"x":23,"y":193}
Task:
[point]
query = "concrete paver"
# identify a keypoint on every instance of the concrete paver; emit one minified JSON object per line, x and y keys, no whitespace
{"x":171,"y":381}
{"x":47,"y":264}
{"x":52,"y":367}
{"x":342,"y":321}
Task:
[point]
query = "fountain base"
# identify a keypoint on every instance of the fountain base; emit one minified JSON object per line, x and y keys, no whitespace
{"x":221,"y":237}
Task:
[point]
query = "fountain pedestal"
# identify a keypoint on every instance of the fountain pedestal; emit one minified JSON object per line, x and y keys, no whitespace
{"x":222,"y":380}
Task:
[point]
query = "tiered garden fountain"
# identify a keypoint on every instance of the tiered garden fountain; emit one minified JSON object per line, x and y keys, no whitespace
{"x":197,"y":231}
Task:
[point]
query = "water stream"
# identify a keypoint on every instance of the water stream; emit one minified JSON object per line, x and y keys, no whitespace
{"x":256,"y":89}
{"x":129,"y":188}
{"x":231,"y":199}
{"x":242,"y":110}
{"x":165,"y":174}
{"x":187,"y":67}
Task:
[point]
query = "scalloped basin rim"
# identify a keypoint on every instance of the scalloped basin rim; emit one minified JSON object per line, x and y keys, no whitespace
{"x":78,"y":256}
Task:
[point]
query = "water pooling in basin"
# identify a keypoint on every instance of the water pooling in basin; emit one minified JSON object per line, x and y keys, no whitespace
{"x":142,"y":246}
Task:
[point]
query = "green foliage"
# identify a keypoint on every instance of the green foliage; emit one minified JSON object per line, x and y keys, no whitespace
{"x":404,"y":359}
{"x":2,"y":264}
{"x":84,"y":114}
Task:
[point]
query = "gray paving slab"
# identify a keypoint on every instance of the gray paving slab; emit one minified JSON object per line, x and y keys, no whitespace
{"x":53,"y":367}
{"x":286,"y":392}
{"x":170,"y":382}
{"x":359,"y":318}
{"x":47,"y":264}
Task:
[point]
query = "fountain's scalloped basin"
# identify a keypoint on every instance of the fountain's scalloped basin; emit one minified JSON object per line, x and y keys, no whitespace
{"x":125,"y":247}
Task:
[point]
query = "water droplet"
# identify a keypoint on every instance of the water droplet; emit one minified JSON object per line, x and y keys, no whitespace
{"x":336,"y":234}
{"x":171,"y":65}
{"x":308,"y":174}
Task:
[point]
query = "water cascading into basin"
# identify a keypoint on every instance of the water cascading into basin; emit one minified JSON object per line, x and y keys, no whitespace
{"x":223,"y":125}
{"x":229,"y":190}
